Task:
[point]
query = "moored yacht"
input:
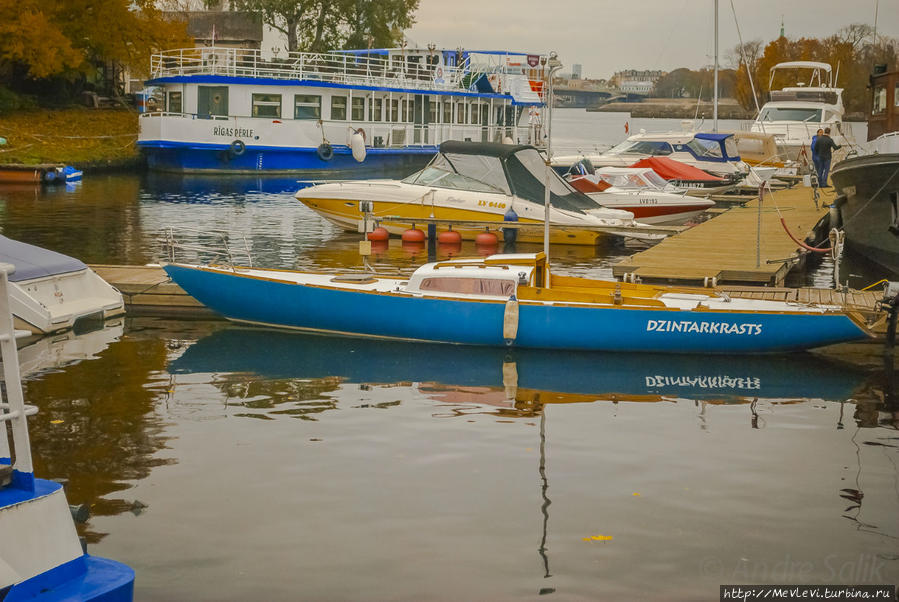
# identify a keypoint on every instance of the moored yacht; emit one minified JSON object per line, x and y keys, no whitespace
{"x":714,"y":153}
{"x":795,"y":113}
{"x":232,"y":110}
{"x":476,"y":182}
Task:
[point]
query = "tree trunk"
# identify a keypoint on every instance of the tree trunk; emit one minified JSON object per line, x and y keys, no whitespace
{"x":320,"y":26}
{"x":293,"y":22}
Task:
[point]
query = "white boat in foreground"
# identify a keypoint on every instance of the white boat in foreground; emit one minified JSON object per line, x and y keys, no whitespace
{"x":50,"y":291}
{"x":41,"y":557}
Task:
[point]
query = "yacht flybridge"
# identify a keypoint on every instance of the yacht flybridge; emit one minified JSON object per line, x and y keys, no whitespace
{"x":233,"y":110}
{"x":795,"y":113}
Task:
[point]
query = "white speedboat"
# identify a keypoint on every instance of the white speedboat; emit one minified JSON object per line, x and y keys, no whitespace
{"x":50,"y":291}
{"x":713,"y":153}
{"x":795,"y":113}
{"x":474,"y":182}
{"x":41,"y":557}
{"x":640,"y":190}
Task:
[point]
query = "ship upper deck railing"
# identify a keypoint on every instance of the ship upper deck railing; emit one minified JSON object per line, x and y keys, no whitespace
{"x":335,"y":67}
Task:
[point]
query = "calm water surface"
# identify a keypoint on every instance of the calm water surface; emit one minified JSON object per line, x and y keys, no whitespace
{"x":226,"y":463}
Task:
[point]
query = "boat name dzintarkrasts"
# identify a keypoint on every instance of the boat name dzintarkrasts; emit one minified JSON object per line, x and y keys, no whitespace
{"x":705,"y":382}
{"x":703,"y":327}
{"x":233,"y":132}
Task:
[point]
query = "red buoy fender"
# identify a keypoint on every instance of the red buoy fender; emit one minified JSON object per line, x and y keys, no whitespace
{"x":413,"y":236}
{"x":486,"y":239}
{"x":450,"y":237}
{"x":378,"y":234}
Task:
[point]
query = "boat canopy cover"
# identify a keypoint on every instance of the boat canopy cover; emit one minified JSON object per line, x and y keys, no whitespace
{"x":523,"y":174}
{"x":675,"y":170}
{"x":34,"y":262}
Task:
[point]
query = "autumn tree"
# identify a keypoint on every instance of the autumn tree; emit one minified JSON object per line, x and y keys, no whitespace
{"x":69,"y":39}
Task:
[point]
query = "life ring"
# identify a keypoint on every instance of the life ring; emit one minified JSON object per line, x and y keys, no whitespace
{"x":238,"y":148}
{"x":325,"y":152}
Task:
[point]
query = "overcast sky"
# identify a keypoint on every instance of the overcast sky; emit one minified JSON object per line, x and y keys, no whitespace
{"x":609,"y":35}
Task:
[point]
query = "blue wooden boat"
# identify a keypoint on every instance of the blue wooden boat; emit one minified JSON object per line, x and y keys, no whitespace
{"x":513,"y":300}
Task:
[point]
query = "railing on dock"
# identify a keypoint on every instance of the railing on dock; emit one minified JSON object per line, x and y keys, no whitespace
{"x":335,"y":67}
{"x":205,"y":247}
{"x":12,"y":404}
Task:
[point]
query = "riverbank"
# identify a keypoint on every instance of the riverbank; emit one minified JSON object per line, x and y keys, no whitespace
{"x":90,"y":139}
{"x":677,"y":108}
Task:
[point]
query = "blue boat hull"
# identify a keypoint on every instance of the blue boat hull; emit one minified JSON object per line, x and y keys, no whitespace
{"x":270,"y":302}
{"x":213,"y":158}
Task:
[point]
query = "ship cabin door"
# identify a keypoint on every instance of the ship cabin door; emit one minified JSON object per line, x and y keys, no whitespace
{"x":212,"y":100}
{"x":421,"y":119}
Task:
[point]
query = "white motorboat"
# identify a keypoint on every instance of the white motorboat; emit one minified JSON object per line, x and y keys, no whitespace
{"x":50,"y":291}
{"x":713,"y":153}
{"x":474,"y":182}
{"x":795,"y":113}
{"x":640,"y":190}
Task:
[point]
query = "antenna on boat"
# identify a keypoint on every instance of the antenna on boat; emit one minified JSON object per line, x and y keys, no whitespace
{"x":553,"y":64}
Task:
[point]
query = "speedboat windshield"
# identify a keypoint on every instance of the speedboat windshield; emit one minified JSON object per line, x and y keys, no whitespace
{"x":624,"y":180}
{"x":479,"y":173}
{"x":655,"y":179}
{"x":641,"y":147}
{"x":703,"y":147}
{"x":808,"y":114}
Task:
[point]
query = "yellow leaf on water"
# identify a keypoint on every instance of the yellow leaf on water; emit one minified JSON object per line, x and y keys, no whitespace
{"x":636,"y":494}
{"x":56,"y":421}
{"x":598,"y":538}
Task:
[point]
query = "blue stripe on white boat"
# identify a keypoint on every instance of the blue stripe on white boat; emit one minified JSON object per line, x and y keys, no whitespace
{"x":311,"y":83}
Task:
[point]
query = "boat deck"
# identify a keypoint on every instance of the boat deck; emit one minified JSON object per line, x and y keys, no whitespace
{"x":743,"y":245}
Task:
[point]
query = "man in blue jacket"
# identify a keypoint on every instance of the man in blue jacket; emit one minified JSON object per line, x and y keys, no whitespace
{"x":824,"y":147}
{"x":815,"y":160}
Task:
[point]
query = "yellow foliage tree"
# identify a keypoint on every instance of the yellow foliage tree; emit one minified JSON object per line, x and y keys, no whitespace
{"x":46,"y":39}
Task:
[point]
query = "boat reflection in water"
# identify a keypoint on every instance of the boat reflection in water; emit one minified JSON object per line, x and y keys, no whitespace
{"x":519,"y":380}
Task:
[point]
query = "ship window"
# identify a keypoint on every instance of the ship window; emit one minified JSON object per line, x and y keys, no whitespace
{"x":642,"y":147}
{"x":703,"y":147}
{"x":790,"y":114}
{"x":306,"y":106}
{"x":447,"y":111}
{"x":358,"y":109}
{"x":470,"y":286}
{"x":880,"y":100}
{"x":212,"y":100}
{"x":338,"y":107}
{"x":375,"y":107}
{"x":174,"y":102}
{"x":433,"y":112}
{"x":395,"y":110}
{"x":408,"y":112}
{"x":896,"y":96}
{"x":267,"y":105}
{"x":460,"y":111}
{"x":473,"y":113}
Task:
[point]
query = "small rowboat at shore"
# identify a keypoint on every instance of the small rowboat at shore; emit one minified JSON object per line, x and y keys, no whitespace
{"x":513,"y":300}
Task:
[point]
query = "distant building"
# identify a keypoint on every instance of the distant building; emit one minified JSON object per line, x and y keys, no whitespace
{"x":635,"y":81}
{"x":576,"y":71}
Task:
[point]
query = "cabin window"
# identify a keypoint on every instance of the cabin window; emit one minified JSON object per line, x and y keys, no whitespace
{"x":470,"y":286}
{"x":212,"y":100}
{"x":880,"y":100}
{"x":375,"y":108}
{"x":267,"y":105}
{"x":358,"y":109}
{"x":473,"y":113}
{"x":460,"y":112}
{"x":173,"y":104}
{"x":447,"y":111}
{"x":338,"y":107}
{"x":433,"y":112}
{"x":790,"y":114}
{"x":896,"y":96}
{"x":702,"y":147}
{"x":395,"y":111}
{"x":306,"y":106}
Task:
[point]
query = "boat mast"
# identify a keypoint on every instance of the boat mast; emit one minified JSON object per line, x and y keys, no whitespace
{"x":553,"y":64}
{"x":715,"y":101}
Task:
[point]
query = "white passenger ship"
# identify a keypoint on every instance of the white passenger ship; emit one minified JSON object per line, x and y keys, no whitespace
{"x":230,"y":110}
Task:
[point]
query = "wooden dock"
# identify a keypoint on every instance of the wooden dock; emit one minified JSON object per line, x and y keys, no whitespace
{"x":746,"y":245}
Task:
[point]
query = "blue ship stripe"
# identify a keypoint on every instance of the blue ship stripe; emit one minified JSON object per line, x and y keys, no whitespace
{"x":270,"y":81}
